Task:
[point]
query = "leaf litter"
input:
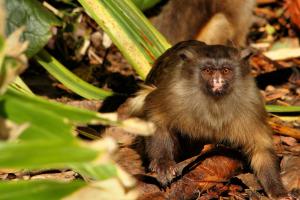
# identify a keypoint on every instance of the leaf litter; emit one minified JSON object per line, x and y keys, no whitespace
{"x":214,"y":175}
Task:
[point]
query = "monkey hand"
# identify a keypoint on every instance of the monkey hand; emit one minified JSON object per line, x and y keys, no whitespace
{"x":165,"y":170}
{"x":293,"y":195}
{"x":286,"y":198}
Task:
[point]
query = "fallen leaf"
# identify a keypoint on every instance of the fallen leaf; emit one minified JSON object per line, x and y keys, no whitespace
{"x":289,"y":140}
{"x":284,"y":130}
{"x":250,"y":181}
{"x":211,"y":171}
{"x":62,"y":176}
{"x":110,"y":189}
{"x":293,"y":10}
{"x":276,"y":94}
{"x":283,"y":54}
{"x":9,"y":130}
{"x":291,"y":172}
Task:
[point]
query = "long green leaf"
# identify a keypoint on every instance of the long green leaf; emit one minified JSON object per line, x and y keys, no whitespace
{"x":42,"y":123}
{"x":19,"y":85}
{"x":145,"y":4}
{"x":277,"y":109}
{"x":44,"y":154}
{"x":130,"y":31}
{"x":2,"y":52}
{"x":99,"y":172}
{"x":40,"y":189}
{"x":76,"y":115}
{"x":53,"y":120}
{"x":70,"y":80}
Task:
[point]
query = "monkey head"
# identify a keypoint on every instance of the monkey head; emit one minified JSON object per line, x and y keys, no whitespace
{"x":214,"y":69}
{"x":217,"y":77}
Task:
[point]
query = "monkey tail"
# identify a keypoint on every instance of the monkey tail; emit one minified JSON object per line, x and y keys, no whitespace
{"x":136,"y":104}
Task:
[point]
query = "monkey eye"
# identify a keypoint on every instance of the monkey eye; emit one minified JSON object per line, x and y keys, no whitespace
{"x":226,"y":70}
{"x":207,"y":70}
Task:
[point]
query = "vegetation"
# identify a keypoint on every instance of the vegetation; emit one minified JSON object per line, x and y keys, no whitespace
{"x":40,"y":134}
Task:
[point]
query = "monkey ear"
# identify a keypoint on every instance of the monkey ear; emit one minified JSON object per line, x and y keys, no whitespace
{"x":186,"y":54}
{"x":245,"y":54}
{"x":201,"y":43}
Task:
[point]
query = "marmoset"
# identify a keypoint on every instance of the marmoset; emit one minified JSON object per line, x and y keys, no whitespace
{"x":211,"y":21}
{"x":198,"y":92}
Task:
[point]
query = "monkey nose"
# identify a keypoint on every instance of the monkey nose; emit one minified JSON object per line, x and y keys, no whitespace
{"x":217,"y":87}
{"x":217,"y":84}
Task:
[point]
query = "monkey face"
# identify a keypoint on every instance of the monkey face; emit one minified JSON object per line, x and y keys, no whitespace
{"x":217,"y":79}
{"x":196,"y":67}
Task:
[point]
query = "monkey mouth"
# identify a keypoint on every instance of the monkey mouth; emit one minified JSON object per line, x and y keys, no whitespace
{"x":218,"y":90}
{"x":219,"y":93}
{"x":216,"y":87}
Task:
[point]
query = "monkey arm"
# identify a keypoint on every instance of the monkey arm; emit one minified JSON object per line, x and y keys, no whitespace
{"x":161,"y":149}
{"x":264,"y":163}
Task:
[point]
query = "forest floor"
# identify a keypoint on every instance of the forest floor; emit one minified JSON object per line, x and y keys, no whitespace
{"x":274,"y":37}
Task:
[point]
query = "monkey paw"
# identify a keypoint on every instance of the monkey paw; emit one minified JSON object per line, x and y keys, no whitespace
{"x":165,"y":171}
{"x":289,"y":196}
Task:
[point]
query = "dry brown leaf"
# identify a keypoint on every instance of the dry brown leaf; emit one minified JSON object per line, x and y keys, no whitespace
{"x":62,"y":176}
{"x":262,"y":64}
{"x":10,"y":130}
{"x":250,"y":180}
{"x":253,"y":195}
{"x":276,"y":94}
{"x":110,"y":189}
{"x":291,"y":172}
{"x":283,"y":54}
{"x":289,"y":140}
{"x":13,"y":48}
{"x":293,"y":10}
{"x":93,"y":105}
{"x":211,"y":171}
{"x":295,"y":149}
{"x":284,"y":130}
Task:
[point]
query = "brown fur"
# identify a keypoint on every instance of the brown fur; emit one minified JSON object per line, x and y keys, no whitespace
{"x":182,"y":109}
{"x":211,"y":21}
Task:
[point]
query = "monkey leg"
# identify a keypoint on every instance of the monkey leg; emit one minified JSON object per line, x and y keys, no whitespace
{"x":239,"y":13}
{"x":218,"y":30}
{"x":265,"y":165}
{"x":161,"y":149}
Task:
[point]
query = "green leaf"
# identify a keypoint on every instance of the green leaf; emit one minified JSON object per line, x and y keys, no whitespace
{"x":73,"y":114}
{"x":276,"y":109}
{"x":99,"y":172}
{"x":130,"y":30}
{"x":145,"y":4}
{"x":44,"y":154}
{"x":12,"y":59}
{"x":37,"y":20}
{"x":47,"y":119}
{"x":19,"y":85}
{"x":54,"y":120}
{"x":270,"y":29}
{"x":40,"y":189}
{"x":70,"y":80}
{"x":2,"y":52}
{"x":43,"y":123}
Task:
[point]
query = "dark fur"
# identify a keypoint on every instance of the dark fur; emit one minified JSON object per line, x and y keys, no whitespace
{"x":211,"y":21}
{"x":182,"y":108}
